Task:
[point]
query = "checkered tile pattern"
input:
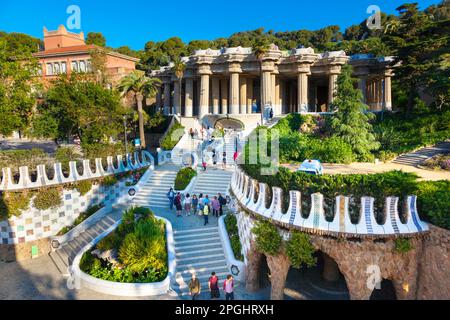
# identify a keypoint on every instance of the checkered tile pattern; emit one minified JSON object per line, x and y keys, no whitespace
{"x":245,"y":225}
{"x":35,"y":224}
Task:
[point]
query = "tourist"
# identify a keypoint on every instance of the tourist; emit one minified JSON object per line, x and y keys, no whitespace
{"x":213,"y":285}
{"x":222,"y":202}
{"x":214,"y":157}
{"x":177,"y":202}
{"x":205,"y":214}
{"x":206,"y":201}
{"x":224,"y":159}
{"x":204,"y":164}
{"x":215,"y":207}
{"x":171,"y":197}
{"x":228,"y":287}
{"x":271,"y":113}
{"x":200,"y":204}
{"x":191,"y":133}
{"x":194,"y":204}
{"x":235,"y":156}
{"x":194,"y":287}
{"x":187,"y":204}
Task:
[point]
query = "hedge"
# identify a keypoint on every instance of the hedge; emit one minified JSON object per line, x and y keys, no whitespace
{"x":12,"y":203}
{"x":184,"y":177}
{"x":233,"y":234}
{"x":48,"y":198}
{"x":172,"y":137}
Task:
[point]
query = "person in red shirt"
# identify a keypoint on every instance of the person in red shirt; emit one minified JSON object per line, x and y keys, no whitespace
{"x":235,"y":156}
{"x":213,"y":285}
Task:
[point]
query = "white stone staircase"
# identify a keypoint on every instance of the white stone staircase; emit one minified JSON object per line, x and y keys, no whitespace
{"x":212,"y":181}
{"x":198,"y":251}
{"x":154,"y":192}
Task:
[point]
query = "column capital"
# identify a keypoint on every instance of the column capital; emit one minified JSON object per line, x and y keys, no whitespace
{"x":234,"y":67}
{"x":204,"y":69}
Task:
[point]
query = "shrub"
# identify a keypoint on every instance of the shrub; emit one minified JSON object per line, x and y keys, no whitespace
{"x":172,"y":137}
{"x":103,"y":150}
{"x":233,"y":233}
{"x":83,"y":187}
{"x":64,"y":155}
{"x":300,"y":250}
{"x":331,"y":150}
{"x":438,"y":162}
{"x":12,"y":203}
{"x":268,"y":239}
{"x":47,"y":199}
{"x":83,"y":216}
{"x":109,"y":180}
{"x":402,"y":245}
{"x":184,"y":177}
{"x":433,"y":202}
{"x":19,"y":158}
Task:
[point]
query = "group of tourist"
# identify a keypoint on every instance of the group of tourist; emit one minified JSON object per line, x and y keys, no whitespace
{"x":213,"y":285}
{"x":200,"y":205}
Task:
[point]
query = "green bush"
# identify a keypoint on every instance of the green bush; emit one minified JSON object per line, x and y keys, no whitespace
{"x":83,"y":186}
{"x":433,"y":202}
{"x":300,"y":250}
{"x":184,"y":177}
{"x":331,"y":150}
{"x":268,"y":239}
{"x":103,"y":150}
{"x":172,"y":137}
{"x":19,"y":158}
{"x":402,"y":245}
{"x":47,"y":199}
{"x":13,"y":203}
{"x":109,"y":180}
{"x":64,"y":155}
{"x":141,"y":245}
{"x":233,"y":233}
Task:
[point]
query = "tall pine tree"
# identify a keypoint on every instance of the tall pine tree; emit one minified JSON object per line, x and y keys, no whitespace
{"x":351,"y":122}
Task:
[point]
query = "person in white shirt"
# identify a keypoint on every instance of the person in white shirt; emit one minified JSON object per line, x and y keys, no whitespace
{"x":187,"y":204}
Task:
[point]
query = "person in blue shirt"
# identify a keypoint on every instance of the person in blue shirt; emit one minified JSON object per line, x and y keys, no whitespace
{"x":171,"y":197}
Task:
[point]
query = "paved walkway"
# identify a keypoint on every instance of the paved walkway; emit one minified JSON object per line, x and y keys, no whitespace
{"x":410,"y":165}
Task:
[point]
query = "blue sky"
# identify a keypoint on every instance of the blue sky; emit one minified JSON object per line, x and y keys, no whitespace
{"x":145,"y":20}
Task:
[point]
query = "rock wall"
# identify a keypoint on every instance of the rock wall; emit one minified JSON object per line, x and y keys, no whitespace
{"x":434,"y":267}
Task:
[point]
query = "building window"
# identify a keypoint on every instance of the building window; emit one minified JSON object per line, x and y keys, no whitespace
{"x":39,"y":71}
{"x":63,"y":67}
{"x":49,"y":70}
{"x":74,"y":66}
{"x":57,"y":68}
{"x":88,"y":66}
{"x":82,"y":66}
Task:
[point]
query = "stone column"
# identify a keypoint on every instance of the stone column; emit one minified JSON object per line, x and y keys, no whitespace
{"x":249,"y":95}
{"x":189,"y":98}
{"x":234,"y":93}
{"x":332,"y":89}
{"x":243,"y":95}
{"x":362,"y":85}
{"x":303,"y":92}
{"x":159,"y":103}
{"x":265,"y":87}
{"x":380,"y":94}
{"x":215,"y":94}
{"x":176,"y":97}
{"x":272,"y":91}
{"x":166,"y":98}
{"x":279,"y":268}
{"x":224,"y":95}
{"x":204,"y":96}
{"x":277,"y":104}
{"x":387,"y":93}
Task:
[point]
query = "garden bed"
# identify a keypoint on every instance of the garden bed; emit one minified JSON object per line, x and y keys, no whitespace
{"x":184,"y":178}
{"x":135,"y":257}
{"x":233,"y":234}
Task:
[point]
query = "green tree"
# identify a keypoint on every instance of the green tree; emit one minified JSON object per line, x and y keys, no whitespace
{"x":178,"y":69}
{"x":17,"y":80}
{"x":141,"y":86}
{"x":76,"y":105}
{"x":351,"y":122}
{"x":419,"y":42}
{"x":96,"y":38}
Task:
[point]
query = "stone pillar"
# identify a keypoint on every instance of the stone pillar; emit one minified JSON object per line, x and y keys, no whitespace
{"x":166,"y":98}
{"x":189,"y":98}
{"x":332,"y":89}
{"x":224,"y":95}
{"x":279,"y":268}
{"x":159,"y":102}
{"x":265,"y":87}
{"x":176,"y":97}
{"x":215,"y":95}
{"x":277,"y":105}
{"x":253,"y":274}
{"x":243,"y":95}
{"x":380,"y":94}
{"x":330,"y":269}
{"x":362,"y":85}
{"x":272,"y":91}
{"x":234,"y":93}
{"x":387,"y":93}
{"x":249,"y":95}
{"x":204,"y":95}
{"x":303,"y":92}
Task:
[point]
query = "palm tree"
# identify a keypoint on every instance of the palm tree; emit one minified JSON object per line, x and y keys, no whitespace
{"x":260,"y":50}
{"x":142,"y":86}
{"x":178,"y":69}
